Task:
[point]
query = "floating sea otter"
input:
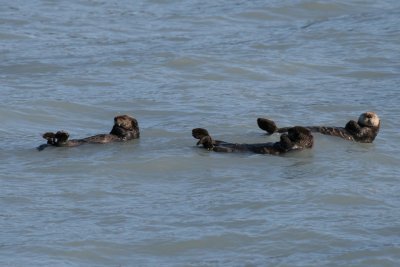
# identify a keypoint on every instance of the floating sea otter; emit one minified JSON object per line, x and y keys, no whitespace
{"x":363,"y":131}
{"x":125,"y":128}
{"x":297,"y":138}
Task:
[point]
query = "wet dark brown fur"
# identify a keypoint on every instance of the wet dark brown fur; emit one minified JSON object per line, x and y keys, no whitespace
{"x":125,"y":128}
{"x":363,"y":131}
{"x":297,"y":138}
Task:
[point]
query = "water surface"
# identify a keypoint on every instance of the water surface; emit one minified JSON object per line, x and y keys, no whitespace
{"x":176,"y":65}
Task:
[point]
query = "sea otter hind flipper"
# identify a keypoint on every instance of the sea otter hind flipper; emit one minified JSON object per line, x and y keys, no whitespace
{"x":50,"y":137}
{"x":267,"y":125}
{"x":61,"y":137}
{"x":52,"y":140}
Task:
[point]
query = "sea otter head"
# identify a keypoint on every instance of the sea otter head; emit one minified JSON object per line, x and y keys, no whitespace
{"x":369,"y":119}
{"x":301,"y":136}
{"x":126,"y":122}
{"x":125,"y":127}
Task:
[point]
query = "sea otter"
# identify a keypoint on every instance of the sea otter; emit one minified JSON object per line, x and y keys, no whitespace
{"x":125,"y":128}
{"x":297,"y":138}
{"x":363,"y":131}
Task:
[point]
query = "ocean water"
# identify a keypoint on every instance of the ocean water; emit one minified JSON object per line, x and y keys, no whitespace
{"x":176,"y":65}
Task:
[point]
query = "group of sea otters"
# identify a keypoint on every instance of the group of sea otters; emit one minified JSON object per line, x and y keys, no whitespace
{"x":292,"y":138}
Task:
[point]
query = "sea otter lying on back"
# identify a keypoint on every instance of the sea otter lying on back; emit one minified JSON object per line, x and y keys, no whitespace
{"x":363,"y":131}
{"x":297,"y":138}
{"x":125,"y":128}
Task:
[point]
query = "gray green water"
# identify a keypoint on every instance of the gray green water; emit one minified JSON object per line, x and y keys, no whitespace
{"x":176,"y":65}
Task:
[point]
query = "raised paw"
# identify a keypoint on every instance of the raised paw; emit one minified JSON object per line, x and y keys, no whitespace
{"x":207,"y":142}
{"x":353,"y":127}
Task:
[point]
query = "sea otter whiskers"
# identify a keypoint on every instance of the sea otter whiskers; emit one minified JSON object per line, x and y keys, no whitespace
{"x":125,"y":128}
{"x":297,"y":138}
{"x":363,"y":131}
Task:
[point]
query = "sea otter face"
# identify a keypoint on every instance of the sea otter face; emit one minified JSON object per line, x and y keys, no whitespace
{"x":369,"y":119}
{"x":301,"y":136}
{"x":126,"y":122}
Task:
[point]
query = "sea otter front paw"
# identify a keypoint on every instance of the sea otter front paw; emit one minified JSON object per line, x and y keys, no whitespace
{"x":353,"y":127}
{"x":207,"y":142}
{"x":267,"y":125}
{"x":285,"y":141}
{"x":119,"y":131}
